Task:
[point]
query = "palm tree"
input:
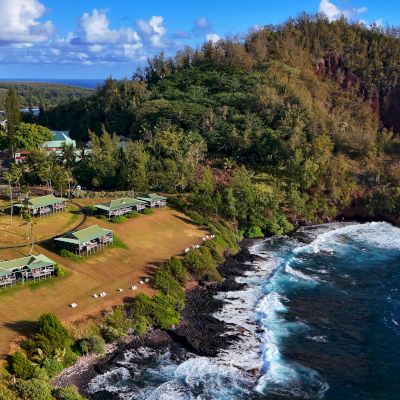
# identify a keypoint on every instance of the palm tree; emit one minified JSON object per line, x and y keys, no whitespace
{"x":68,"y":156}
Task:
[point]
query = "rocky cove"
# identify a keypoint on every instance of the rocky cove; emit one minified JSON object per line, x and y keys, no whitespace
{"x":199,"y":334}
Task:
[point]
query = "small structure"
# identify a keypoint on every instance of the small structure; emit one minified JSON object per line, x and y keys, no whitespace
{"x":86,"y":240}
{"x":154,"y":200}
{"x":44,"y":205}
{"x":25,"y":268}
{"x":60,"y":138}
{"x":122,"y":206}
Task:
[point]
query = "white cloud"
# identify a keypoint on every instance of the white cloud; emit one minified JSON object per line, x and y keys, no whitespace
{"x":96,"y":28}
{"x":19,"y":22}
{"x":333,"y":12}
{"x":153,"y":30}
{"x":213,"y":37}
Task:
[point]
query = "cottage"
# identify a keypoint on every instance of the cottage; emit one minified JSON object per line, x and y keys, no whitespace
{"x":60,"y":138}
{"x":25,"y":268}
{"x":86,"y":240}
{"x":154,"y":200}
{"x":44,"y":205}
{"x":122,"y":206}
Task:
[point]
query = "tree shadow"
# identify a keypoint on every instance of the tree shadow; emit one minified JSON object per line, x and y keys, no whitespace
{"x":23,"y":327}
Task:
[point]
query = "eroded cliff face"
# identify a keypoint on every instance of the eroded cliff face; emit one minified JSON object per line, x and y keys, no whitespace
{"x":386,"y":106}
{"x":390,"y":109}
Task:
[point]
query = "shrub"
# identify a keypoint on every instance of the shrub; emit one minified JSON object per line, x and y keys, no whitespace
{"x":69,"y":254}
{"x":132,"y":214}
{"x":53,"y":366}
{"x":117,"y":324}
{"x":117,"y":242}
{"x":167,"y":283}
{"x":201,"y":264}
{"x":177,"y":269}
{"x":95,"y":344}
{"x":148,"y":211}
{"x":52,"y":337}
{"x":41,"y":373}
{"x":59,"y":271}
{"x":90,"y":210}
{"x":7,"y":394}
{"x":118,"y":219}
{"x":164,"y":314}
{"x":196,"y":217}
{"x":254,"y":232}
{"x":33,"y":389}
{"x":20,"y":366}
{"x":141,"y":324}
{"x":67,"y":393}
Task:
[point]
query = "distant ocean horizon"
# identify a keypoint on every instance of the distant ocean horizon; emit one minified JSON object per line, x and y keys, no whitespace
{"x":82,"y":83}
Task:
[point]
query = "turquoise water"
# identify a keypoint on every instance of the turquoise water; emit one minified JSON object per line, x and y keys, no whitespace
{"x":319,"y":318}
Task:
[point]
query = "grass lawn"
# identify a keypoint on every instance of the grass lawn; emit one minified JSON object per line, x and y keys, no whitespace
{"x":150,"y":239}
{"x":44,"y":227}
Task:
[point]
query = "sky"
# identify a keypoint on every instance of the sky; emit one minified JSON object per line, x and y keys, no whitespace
{"x":94,"y":39}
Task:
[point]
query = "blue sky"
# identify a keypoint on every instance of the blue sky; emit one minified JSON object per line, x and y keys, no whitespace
{"x":98,"y":38}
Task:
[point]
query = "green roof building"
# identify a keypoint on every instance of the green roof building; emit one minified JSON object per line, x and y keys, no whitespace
{"x":44,"y":205}
{"x":25,"y":268}
{"x":86,"y":240}
{"x":153,"y":200}
{"x":59,"y":139}
{"x":122,"y":206}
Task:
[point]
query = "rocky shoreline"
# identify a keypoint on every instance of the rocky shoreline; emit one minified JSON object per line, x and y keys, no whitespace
{"x":199,"y":333}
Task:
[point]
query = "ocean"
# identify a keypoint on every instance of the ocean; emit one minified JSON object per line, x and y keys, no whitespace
{"x":318,"y":318}
{"x":82,"y":83}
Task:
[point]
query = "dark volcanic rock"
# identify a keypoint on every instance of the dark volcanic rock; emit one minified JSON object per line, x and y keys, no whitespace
{"x":199,"y":332}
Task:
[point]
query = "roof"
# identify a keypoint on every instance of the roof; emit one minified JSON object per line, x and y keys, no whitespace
{"x":59,"y":138}
{"x":32,"y":262}
{"x":43,"y":201}
{"x":84,"y":235}
{"x":116,"y":204}
{"x":152,"y":197}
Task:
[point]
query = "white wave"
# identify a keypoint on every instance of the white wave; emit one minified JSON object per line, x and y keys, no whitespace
{"x":299,"y":274}
{"x":112,"y":381}
{"x":335,"y":237}
{"x":320,"y":339}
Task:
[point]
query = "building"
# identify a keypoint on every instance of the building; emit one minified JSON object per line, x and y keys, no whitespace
{"x":44,"y":205}
{"x":60,"y":138}
{"x":25,"y":268}
{"x":86,"y":240}
{"x":154,"y":200}
{"x":122,"y":206}
{"x":21,"y":155}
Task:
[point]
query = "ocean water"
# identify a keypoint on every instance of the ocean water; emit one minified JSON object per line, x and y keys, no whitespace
{"x":319,"y":318}
{"x":82,"y":83}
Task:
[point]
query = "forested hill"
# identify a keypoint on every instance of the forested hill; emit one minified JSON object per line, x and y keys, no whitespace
{"x":312,"y":104}
{"x":32,"y":94}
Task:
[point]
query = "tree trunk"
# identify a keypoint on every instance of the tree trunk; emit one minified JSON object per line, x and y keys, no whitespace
{"x":33,"y":241}
{"x":12,"y":202}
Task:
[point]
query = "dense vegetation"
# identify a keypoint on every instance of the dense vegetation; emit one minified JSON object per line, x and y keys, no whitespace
{"x":305,"y":106}
{"x":34,"y":94}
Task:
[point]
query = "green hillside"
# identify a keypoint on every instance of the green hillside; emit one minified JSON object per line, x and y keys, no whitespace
{"x":309,"y":107}
{"x":32,"y":93}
